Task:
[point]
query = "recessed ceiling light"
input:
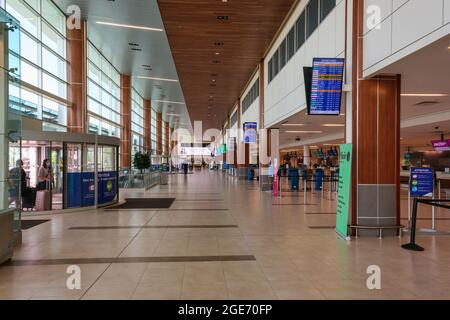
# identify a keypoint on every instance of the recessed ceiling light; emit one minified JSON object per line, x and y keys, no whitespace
{"x":333,"y":125}
{"x":159,"y":79}
{"x":217,"y":53}
{"x":111,"y":24}
{"x":424,"y":95}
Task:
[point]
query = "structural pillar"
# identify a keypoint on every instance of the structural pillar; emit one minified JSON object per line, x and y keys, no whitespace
{"x":76,"y":76}
{"x":306,"y":156}
{"x":166,"y":142}
{"x":375,"y":135}
{"x":147,"y":125}
{"x":159,"y":133}
{"x":125,"y":110}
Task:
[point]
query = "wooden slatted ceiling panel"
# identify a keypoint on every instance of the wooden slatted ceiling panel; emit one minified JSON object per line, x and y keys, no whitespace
{"x":193,"y":29}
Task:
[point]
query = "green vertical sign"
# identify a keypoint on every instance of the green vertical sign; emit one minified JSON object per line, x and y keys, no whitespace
{"x":343,"y":204}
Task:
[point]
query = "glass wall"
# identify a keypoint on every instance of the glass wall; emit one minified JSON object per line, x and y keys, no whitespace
{"x":103,"y":101}
{"x":137,"y":122}
{"x":43,"y":62}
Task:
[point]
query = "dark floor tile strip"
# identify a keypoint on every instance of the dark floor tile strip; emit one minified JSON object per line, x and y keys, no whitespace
{"x":322,"y":227}
{"x":80,"y":261}
{"x":193,"y":209}
{"x":294,"y":204}
{"x":311,"y":213}
{"x":428,"y":219}
{"x":200,"y":200}
{"x":155,"y":227}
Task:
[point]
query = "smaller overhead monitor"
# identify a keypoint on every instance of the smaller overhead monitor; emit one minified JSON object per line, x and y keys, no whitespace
{"x":326,"y":86}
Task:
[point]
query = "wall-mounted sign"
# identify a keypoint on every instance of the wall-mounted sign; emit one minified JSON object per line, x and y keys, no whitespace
{"x":250,"y":132}
{"x":421,"y":182}
{"x":326,"y":86}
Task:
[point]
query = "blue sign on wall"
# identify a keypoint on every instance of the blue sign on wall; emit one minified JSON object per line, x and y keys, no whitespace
{"x":421,"y":182}
{"x":88,"y":189}
{"x":250,"y":132}
{"x":326,"y":88}
{"x":107,"y":182}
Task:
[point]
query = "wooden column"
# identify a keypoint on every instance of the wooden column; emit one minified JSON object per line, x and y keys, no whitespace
{"x":125,"y":121}
{"x":172,"y":141}
{"x":166,"y":151}
{"x":376,"y":140}
{"x":159,"y":133}
{"x":147,"y":125}
{"x":76,"y":77}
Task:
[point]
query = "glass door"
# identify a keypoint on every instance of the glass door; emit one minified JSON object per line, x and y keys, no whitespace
{"x":57,"y":175}
{"x":73,"y":175}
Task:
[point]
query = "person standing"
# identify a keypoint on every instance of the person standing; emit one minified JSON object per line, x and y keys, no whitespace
{"x":44,"y":176}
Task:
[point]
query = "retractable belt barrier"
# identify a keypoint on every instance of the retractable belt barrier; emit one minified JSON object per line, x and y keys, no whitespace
{"x":315,"y":183}
{"x":431,"y":202}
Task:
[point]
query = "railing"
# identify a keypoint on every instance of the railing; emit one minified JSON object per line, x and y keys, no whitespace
{"x":131,"y":180}
{"x":431,"y":202}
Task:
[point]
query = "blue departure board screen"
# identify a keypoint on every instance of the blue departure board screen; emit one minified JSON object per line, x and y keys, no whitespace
{"x":326,"y":86}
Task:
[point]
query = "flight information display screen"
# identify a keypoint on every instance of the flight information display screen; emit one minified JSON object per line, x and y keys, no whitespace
{"x":326,"y":86}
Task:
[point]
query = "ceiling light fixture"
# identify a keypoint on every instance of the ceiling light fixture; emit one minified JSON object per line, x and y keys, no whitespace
{"x":158,"y":79}
{"x":333,"y":125}
{"x":165,"y":101}
{"x":119,"y":25}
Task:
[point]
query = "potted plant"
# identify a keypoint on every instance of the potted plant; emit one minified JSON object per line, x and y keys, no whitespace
{"x":141,"y":161}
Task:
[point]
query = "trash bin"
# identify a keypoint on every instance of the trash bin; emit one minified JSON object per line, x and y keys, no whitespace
{"x":164,"y":178}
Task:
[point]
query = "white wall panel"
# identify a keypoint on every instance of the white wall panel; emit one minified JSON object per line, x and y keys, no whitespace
{"x":377,"y":43}
{"x":446,"y":12}
{"x":285,"y":95}
{"x":252,"y":113}
{"x":385,"y":7}
{"x":398,"y":3}
{"x":340,"y":27}
{"x":410,"y":23}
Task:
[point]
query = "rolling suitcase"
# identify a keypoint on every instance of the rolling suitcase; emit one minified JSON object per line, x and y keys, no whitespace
{"x":43,"y":199}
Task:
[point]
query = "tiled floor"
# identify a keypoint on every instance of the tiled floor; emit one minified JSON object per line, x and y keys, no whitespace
{"x":267,"y":250}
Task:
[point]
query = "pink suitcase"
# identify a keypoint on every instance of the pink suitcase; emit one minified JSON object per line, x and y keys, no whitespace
{"x":43,"y":200}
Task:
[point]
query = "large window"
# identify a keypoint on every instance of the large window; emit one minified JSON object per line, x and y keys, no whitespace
{"x":43,"y":62}
{"x":103,"y":95}
{"x":312,"y":12}
{"x":137,"y":122}
{"x":251,"y":96}
{"x":315,"y":12}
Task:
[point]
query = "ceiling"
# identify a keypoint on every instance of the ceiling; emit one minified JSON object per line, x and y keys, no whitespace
{"x":113,"y":42}
{"x":426,"y":71}
{"x":215,"y":57}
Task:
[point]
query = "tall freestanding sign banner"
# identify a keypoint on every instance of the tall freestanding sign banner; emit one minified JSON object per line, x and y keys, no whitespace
{"x":343,"y":204}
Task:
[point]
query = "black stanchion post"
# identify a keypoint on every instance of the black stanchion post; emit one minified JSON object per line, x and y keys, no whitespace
{"x":412,"y":245}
